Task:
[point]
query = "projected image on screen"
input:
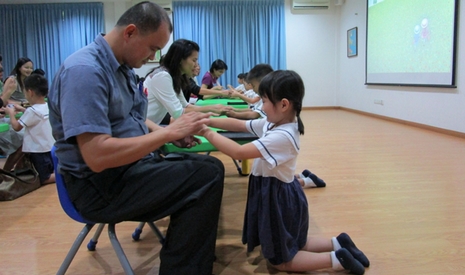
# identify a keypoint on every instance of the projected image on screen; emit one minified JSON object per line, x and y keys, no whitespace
{"x":410,"y":42}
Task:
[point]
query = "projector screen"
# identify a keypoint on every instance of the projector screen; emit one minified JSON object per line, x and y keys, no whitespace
{"x":411,"y":42}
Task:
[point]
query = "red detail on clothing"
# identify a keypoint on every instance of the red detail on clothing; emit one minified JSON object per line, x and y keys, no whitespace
{"x":146,"y":93}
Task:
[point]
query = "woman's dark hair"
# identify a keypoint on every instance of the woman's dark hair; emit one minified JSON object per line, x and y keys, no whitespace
{"x":218,"y":65}
{"x":146,"y":16}
{"x":37,"y":83}
{"x":160,"y":61}
{"x":16,"y":71}
{"x":180,"y":49}
{"x":284,"y":84}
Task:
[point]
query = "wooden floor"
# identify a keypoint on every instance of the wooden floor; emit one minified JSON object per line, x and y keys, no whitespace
{"x":399,"y":191}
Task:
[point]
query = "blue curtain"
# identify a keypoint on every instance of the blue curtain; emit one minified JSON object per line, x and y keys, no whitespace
{"x":242,"y":33}
{"x":47,"y":33}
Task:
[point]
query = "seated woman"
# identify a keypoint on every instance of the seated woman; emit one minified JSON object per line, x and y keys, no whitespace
{"x":210,"y":79}
{"x":194,"y":90}
{"x":22,"y":69}
{"x":164,"y":85}
{"x":10,"y":141}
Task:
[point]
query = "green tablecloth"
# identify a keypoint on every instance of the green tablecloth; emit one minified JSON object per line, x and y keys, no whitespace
{"x":236,"y":103}
{"x":4,"y":127}
{"x":17,"y":115}
{"x":205,"y":146}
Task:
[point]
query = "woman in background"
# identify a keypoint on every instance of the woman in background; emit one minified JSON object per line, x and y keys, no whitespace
{"x":23,"y":69}
{"x":210,"y":79}
{"x":164,"y":85}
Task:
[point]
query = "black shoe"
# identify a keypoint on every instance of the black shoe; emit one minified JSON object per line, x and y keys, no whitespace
{"x":348,"y":262}
{"x":346,"y":242}
{"x":318,"y":182}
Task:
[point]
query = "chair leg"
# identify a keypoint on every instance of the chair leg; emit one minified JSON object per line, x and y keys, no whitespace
{"x":93,"y":242}
{"x":74,"y":249}
{"x":157,"y":232}
{"x":138,"y":231}
{"x":119,"y":250}
{"x":238,"y":167}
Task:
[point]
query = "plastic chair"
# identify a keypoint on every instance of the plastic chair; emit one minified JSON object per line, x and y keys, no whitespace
{"x":71,"y":211}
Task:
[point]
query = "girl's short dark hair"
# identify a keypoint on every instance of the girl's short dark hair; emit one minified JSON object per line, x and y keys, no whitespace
{"x":218,"y":65}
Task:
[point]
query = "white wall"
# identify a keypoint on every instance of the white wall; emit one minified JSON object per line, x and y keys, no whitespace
{"x":311,"y":46}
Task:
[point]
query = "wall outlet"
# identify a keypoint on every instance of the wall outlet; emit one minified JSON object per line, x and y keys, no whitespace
{"x":378,"y":101}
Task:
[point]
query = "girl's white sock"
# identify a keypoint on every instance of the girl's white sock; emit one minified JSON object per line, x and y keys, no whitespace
{"x":335,"y":262}
{"x":308,"y":182}
{"x":336,"y":244}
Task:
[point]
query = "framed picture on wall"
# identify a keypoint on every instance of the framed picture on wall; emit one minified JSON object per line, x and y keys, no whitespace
{"x":352,"y":42}
{"x":157,"y":57}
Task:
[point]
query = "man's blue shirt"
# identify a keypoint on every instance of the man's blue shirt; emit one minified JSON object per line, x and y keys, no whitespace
{"x":93,"y":93}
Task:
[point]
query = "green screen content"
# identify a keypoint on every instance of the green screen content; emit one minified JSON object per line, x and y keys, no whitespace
{"x":411,"y":42}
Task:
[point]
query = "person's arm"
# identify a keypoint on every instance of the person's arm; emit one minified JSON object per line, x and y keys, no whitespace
{"x":243,"y":114}
{"x":248,"y":99}
{"x":152,"y":126}
{"x":229,"y":124}
{"x":213,"y":92}
{"x":14,"y":122}
{"x":216,"y":108}
{"x":230,"y":147}
{"x":102,"y":151}
{"x":160,"y":86}
{"x":8,"y":89}
{"x":243,"y":97}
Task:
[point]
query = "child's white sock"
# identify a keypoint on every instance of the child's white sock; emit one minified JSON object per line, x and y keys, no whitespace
{"x":335,"y":262}
{"x":308,"y":182}
{"x":336,"y":244}
{"x":342,"y":259}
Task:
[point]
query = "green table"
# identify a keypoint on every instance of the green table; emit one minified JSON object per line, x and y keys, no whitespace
{"x":17,"y":115}
{"x":206,"y":146}
{"x":235,"y":103}
{"x":4,"y":127}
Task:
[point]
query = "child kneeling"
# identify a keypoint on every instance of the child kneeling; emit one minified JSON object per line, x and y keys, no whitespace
{"x":38,"y":139}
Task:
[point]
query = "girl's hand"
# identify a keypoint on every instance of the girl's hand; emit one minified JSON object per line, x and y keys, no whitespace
{"x":204,"y":130}
{"x":220,"y":109}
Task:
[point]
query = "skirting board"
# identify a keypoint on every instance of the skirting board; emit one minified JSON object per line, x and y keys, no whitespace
{"x":414,"y":124}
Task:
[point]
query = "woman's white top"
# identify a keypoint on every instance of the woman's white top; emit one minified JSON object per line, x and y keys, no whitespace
{"x":162,"y":98}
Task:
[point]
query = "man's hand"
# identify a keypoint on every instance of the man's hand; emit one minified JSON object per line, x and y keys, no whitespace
{"x":187,"y":125}
{"x":187,"y":142}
